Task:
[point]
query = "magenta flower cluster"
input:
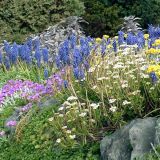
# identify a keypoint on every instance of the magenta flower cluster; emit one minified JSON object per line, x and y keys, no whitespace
{"x":11,"y":123}
{"x":31,"y":91}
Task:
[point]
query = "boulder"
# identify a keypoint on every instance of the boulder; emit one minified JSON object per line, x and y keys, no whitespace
{"x":131,"y":141}
{"x":141,"y":136}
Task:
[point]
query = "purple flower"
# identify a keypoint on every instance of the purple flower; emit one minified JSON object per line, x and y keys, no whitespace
{"x":26,"y":108}
{"x":11,"y":123}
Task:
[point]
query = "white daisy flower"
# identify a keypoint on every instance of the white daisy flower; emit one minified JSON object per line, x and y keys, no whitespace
{"x":112,"y":101}
{"x":125,"y":103}
{"x":72,"y":98}
{"x":94,"y":105}
{"x":83,"y":114}
{"x":72,"y":136}
{"x":113,"y":109}
{"x":58,"y":140}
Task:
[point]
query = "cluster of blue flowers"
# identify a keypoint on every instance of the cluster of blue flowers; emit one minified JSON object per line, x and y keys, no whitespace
{"x":30,"y":52}
{"x":72,"y":55}
{"x":27,"y":52}
{"x":76,"y":51}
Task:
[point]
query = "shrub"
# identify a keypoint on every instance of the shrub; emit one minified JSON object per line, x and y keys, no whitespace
{"x":105,"y":16}
{"x":21,"y":18}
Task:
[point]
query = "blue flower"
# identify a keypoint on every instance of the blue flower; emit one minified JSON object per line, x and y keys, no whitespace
{"x":38,"y":56}
{"x":58,"y":62}
{"x":29,"y":43}
{"x":103,"y":49}
{"x":1,"y":57}
{"x":114,"y":46}
{"x":45,"y":55}
{"x":22,"y":54}
{"x":36,"y":43}
{"x":73,"y":40}
{"x":65,"y":83}
{"x":140,"y":40}
{"x":154,"y":32}
{"x":7,"y":63}
{"x":131,"y":39}
{"x":64,"y":53}
{"x":120,"y":37}
{"x":153,"y":77}
{"x":14,"y":53}
{"x":78,"y":73}
{"x":7,"y":48}
{"x":28,"y":58}
{"x":86,"y":64}
{"x":84,"y":47}
{"x":77,"y":57}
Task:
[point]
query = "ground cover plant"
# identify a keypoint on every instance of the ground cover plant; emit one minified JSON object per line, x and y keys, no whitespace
{"x":97,"y":85}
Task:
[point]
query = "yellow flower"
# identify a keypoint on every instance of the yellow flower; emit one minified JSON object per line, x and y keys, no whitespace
{"x":125,"y":35}
{"x":153,"y":51}
{"x":158,"y":73}
{"x":153,"y":68}
{"x":146,"y":36}
{"x":157,"y":42}
{"x":105,"y":36}
{"x":98,"y":40}
{"x":109,"y":46}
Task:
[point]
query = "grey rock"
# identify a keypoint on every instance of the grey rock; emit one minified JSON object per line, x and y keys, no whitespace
{"x":117,"y":146}
{"x":14,"y":117}
{"x":131,"y":141}
{"x":48,"y":103}
{"x":141,"y":136}
{"x":157,"y":133}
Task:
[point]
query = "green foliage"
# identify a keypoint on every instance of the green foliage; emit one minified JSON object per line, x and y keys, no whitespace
{"x":105,"y":16}
{"x":20,"y":18}
{"x":102,"y":20}
{"x":36,"y":143}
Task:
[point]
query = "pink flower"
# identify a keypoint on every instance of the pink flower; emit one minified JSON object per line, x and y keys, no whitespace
{"x":11,"y":123}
